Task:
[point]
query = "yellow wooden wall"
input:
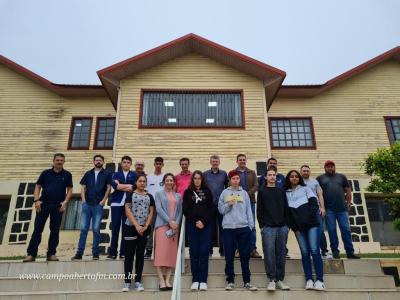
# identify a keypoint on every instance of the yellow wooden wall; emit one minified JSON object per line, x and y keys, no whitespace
{"x":192,"y":72}
{"x":35,"y":123}
{"x":348,"y":120}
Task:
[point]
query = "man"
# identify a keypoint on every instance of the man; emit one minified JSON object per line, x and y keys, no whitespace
{"x":248,"y":182}
{"x":56,"y":187}
{"x":154,"y":184}
{"x":96,"y":187}
{"x":217,"y":181}
{"x":122,"y":182}
{"x":139,"y":167}
{"x":337,"y":192}
{"x":182,"y":180}
{"x":280,"y":178}
{"x":313,"y":184}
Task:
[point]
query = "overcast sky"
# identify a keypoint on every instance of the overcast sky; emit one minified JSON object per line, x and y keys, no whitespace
{"x":312,"y":40}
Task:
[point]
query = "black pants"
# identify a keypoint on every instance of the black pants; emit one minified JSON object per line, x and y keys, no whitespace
{"x":134,"y":244}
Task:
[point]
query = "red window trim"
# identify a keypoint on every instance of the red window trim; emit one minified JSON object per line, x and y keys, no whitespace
{"x":314,"y":147}
{"x":387,"y":118}
{"x":71,"y":131}
{"x":142,"y":91}
{"x":97,"y":131}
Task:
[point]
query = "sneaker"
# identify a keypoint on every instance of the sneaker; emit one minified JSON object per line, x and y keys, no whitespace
{"x":237,"y":255}
{"x":203,"y":286}
{"x":271,"y":286}
{"x":352,"y":256}
{"x":121,"y":257}
{"x":76,"y":257}
{"x":282,"y":286}
{"x":309,"y":285}
{"x":250,"y":287}
{"x":148,"y":253}
{"x":52,"y":258}
{"x":230,"y":286}
{"x":126,"y":287}
{"x":319,"y":286}
{"x":29,"y":258}
{"x":109,"y":256}
{"x":255,"y":254}
{"x":96,"y":257}
{"x":195,"y":286}
{"x":336,"y":255}
{"x":326,"y":255}
{"x":139,"y":286}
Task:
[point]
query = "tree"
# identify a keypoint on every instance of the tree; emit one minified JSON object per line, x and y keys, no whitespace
{"x":384,"y":168}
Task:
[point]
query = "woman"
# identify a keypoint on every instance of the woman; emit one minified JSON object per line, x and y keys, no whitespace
{"x":139,"y":209}
{"x":272,"y":210}
{"x":169,"y":214}
{"x":303,"y":207}
{"x":198,"y":210}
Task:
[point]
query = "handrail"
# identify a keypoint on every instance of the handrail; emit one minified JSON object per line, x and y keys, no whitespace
{"x":180,"y":264}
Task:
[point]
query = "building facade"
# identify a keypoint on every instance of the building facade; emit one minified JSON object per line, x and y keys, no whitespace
{"x":192,"y":97}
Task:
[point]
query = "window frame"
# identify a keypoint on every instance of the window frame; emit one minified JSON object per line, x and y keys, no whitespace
{"x":313,"y":147}
{"x":98,"y":119}
{"x":200,"y":91}
{"x":386,"y":119}
{"x":71,"y":132}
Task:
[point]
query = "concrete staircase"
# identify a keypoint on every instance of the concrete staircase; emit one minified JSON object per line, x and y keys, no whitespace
{"x":345,"y":279}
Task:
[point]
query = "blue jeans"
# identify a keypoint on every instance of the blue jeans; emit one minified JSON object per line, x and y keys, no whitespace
{"x":117,"y":217}
{"x":90,"y":212}
{"x":343,"y":220}
{"x":323,"y":244}
{"x":52,"y":211}
{"x":233,"y":238}
{"x":309,"y":241}
{"x":253,"y":232}
{"x":199,"y":246}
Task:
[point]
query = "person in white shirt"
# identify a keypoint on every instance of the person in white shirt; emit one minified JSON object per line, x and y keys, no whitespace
{"x":154,"y":184}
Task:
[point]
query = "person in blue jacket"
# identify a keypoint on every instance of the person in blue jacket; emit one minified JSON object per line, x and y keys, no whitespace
{"x":123,"y":182}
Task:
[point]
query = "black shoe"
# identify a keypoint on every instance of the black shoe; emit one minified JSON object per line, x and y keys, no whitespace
{"x":96,"y":257}
{"x":76,"y":257}
{"x":148,"y":253}
{"x":352,"y":256}
{"x":336,"y":255}
{"x":109,"y":256}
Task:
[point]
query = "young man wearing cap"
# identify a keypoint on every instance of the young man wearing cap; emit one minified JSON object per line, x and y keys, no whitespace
{"x":337,"y":193}
{"x":237,"y":224}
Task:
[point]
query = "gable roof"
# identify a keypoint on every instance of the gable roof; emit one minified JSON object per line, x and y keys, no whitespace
{"x":66,"y":90}
{"x":110,"y":77}
{"x":288,"y":91}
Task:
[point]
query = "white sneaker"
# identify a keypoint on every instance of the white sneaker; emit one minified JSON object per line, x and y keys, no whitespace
{"x":195,"y":286}
{"x":203,"y":286}
{"x":282,"y":286}
{"x":230,"y":286}
{"x":126,"y":287}
{"x":319,"y":286}
{"x":271,"y":286}
{"x":250,"y":287}
{"x":327,"y":256}
{"x":139,"y":286}
{"x":309,"y":285}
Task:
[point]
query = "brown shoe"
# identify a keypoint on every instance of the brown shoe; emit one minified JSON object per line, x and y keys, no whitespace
{"x":29,"y":258}
{"x":255,"y":254}
{"x":52,"y":258}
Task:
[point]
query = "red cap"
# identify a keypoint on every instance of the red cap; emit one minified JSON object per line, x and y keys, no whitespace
{"x":233,"y":173}
{"x":329,"y":162}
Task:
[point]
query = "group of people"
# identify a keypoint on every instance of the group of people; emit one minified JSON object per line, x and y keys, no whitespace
{"x":147,"y":209}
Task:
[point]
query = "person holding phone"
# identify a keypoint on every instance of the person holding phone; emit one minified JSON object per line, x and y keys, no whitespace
{"x":169,"y":215}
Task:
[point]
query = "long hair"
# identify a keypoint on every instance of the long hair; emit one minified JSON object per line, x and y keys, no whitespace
{"x":288,"y":185}
{"x":168,"y":174}
{"x":203,"y":181}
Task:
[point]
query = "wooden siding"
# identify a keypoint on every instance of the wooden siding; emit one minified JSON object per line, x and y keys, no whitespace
{"x":192,"y":72}
{"x":35,"y":123}
{"x":348,"y":120}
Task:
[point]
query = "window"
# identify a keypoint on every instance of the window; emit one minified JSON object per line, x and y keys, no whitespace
{"x":104,"y":133}
{"x":72,"y":215}
{"x":79,"y":137}
{"x":292,"y":133}
{"x":393,"y":128}
{"x":191,"y":109}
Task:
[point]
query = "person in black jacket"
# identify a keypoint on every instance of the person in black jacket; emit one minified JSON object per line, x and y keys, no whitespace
{"x":303,"y":207}
{"x":272,"y":209}
{"x":199,"y":212}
